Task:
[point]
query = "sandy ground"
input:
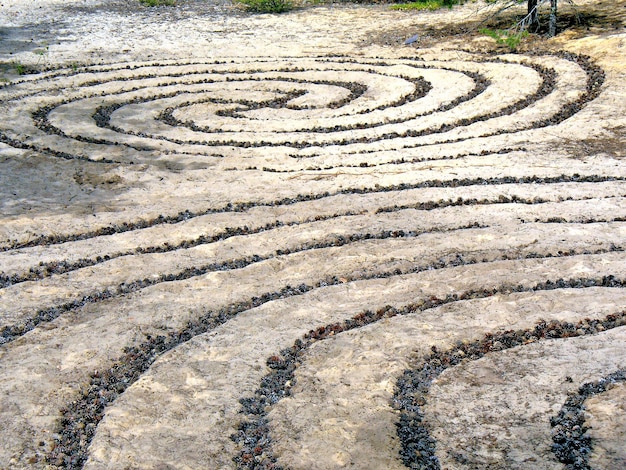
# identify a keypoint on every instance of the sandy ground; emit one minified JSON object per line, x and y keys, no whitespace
{"x":187,"y":192}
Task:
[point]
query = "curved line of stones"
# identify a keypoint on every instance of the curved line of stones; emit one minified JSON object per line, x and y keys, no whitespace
{"x":417,"y":448}
{"x":11,"y":332}
{"x":53,"y":72}
{"x":51,"y":268}
{"x":547,"y":86}
{"x":103,"y":113}
{"x":161,"y":340}
{"x":40,"y":117}
{"x":56,"y":71}
{"x":41,"y":121}
{"x":421,"y":89}
{"x":80,"y":418}
{"x":571,"y":446}
{"x":586,"y":220}
{"x":55,"y":153}
{"x":501,"y":199}
{"x":44,"y":270}
{"x":399,"y":161}
{"x":244,"y":206}
{"x":595,"y":80}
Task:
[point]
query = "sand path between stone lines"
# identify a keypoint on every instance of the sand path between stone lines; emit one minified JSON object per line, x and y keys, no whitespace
{"x":187,"y":105}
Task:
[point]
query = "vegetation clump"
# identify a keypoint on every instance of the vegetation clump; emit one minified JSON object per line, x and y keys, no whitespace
{"x":158,"y":3}
{"x":425,"y":5}
{"x":20,"y":68}
{"x":508,"y":37}
{"x":267,"y":6}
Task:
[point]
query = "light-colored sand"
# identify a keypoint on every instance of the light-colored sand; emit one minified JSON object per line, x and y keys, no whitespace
{"x":145,"y":113}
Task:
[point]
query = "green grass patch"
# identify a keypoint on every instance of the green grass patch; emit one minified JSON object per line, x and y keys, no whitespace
{"x":267,"y":6}
{"x":509,"y":38}
{"x":20,"y":68}
{"x":158,"y":3}
{"x":426,"y":5}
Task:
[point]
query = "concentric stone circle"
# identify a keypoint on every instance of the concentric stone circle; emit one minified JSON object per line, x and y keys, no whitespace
{"x":221,"y":112}
{"x":343,"y":226}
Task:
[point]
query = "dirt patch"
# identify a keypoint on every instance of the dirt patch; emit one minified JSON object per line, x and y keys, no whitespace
{"x":579,"y":20}
{"x":611,"y":145}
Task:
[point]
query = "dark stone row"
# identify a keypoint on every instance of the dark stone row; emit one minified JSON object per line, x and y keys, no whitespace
{"x":81,"y":417}
{"x":596,"y":76}
{"x":9,"y":333}
{"x":586,"y":220}
{"x":595,"y":80}
{"x":44,"y":270}
{"x":18,"y":144}
{"x":547,"y":87}
{"x":12,"y":332}
{"x":356,"y":90}
{"x":56,"y":267}
{"x":422,"y":88}
{"x":481,"y":85}
{"x":460,"y":201}
{"x":168,"y":118}
{"x":418,"y":447}
{"x":62,"y":71}
{"x":401,"y":161}
{"x":102,"y":114}
{"x":571,"y":444}
{"x":43,"y":240}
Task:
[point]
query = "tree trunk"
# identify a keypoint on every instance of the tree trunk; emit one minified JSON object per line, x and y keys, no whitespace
{"x":552,"y":29}
{"x":533,"y":24}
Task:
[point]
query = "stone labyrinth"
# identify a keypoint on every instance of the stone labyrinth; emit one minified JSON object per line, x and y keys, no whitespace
{"x":373,"y":263}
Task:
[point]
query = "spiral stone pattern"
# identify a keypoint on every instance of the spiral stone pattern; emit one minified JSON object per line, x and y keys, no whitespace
{"x":318,"y":262}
